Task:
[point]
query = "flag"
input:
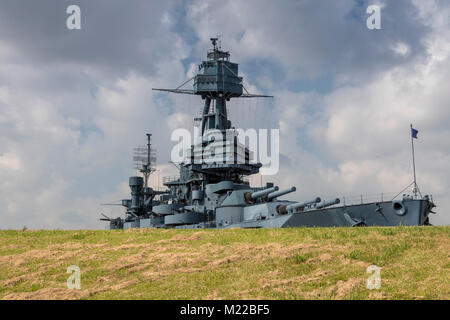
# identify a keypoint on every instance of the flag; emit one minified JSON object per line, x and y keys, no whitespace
{"x":414,"y":133}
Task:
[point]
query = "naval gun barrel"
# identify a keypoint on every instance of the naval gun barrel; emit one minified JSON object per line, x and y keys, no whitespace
{"x":298,"y":205}
{"x":280,"y":193}
{"x":328,"y":203}
{"x":261,"y":193}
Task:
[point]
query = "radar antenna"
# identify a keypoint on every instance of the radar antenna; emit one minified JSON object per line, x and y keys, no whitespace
{"x":214,"y":42}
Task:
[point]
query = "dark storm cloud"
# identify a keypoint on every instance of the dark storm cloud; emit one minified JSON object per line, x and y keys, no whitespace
{"x":314,"y":38}
{"x":116,"y":36}
{"x":362,"y":50}
{"x":309,"y":38}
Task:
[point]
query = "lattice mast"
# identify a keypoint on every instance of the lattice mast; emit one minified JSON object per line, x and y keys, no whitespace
{"x":144,"y":158}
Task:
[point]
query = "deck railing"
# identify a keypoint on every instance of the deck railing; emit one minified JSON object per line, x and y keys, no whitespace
{"x":368,"y":198}
{"x":170,"y":178}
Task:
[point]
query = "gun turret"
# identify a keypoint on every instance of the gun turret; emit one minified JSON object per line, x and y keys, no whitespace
{"x":251,"y":197}
{"x":257,"y":194}
{"x":300,"y":205}
{"x":280,"y":193}
{"x":328,"y":203}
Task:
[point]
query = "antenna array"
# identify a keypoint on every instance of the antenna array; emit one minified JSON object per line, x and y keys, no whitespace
{"x":141,"y":158}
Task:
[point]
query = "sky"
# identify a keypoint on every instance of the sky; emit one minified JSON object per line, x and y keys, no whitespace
{"x":74,"y":103}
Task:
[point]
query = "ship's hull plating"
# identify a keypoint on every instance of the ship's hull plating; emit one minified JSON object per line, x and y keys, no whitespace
{"x":369,"y":214}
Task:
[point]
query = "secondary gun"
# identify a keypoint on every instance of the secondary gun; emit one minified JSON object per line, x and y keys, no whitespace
{"x":252,"y":197}
{"x":301,"y":205}
{"x":280,"y":193}
{"x":261,"y":193}
{"x":328,"y":203}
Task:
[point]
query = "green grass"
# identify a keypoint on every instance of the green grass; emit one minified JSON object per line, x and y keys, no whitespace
{"x":297,"y":263}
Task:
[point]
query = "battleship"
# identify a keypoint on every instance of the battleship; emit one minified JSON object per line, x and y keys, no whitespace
{"x":212,"y":190}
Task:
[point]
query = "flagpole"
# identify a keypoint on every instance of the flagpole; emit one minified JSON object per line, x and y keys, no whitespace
{"x":414,"y":163}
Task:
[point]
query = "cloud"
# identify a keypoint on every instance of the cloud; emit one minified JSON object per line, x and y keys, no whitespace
{"x":311,"y":39}
{"x":69,"y":119}
{"x":115,"y":37}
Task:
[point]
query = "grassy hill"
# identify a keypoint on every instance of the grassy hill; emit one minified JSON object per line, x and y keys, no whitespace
{"x":295,"y":263}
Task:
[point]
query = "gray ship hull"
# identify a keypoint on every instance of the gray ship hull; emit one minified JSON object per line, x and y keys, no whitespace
{"x":408,"y":212}
{"x":368,"y":214}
